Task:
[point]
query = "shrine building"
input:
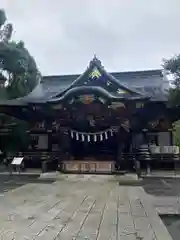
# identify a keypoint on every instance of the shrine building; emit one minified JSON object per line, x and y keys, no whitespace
{"x":87,"y":122}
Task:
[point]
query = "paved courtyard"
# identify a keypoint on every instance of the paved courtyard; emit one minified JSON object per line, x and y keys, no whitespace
{"x":165,"y":195}
{"x":78,"y":207}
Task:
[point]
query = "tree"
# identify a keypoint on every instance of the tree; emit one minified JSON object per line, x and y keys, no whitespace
{"x":172,"y":66}
{"x":2,"y":17}
{"x":17,"y":138}
{"x":18,"y":70}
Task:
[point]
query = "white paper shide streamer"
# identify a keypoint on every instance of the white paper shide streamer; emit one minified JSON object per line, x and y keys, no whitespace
{"x":82,"y":136}
{"x":95,"y":137}
{"x":111,"y":132}
{"x":77,"y":136}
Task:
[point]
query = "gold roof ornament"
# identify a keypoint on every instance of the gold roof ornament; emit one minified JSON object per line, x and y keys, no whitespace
{"x":95,"y":73}
{"x":121,"y":91}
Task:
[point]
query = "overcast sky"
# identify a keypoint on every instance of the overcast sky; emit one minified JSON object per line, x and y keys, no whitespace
{"x":63,"y":35}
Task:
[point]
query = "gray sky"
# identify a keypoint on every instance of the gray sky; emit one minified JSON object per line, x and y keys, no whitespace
{"x":63,"y":35}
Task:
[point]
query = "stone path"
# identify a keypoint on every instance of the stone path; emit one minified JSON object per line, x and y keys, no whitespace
{"x":79,"y":207}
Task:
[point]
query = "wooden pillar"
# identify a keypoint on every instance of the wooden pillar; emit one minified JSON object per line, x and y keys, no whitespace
{"x":49,"y":140}
{"x":171,"y":138}
{"x":49,"y":132}
{"x":171,"y":134}
{"x":65,"y":142}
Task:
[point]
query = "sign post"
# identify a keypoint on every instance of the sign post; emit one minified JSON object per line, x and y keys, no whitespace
{"x":17,"y":161}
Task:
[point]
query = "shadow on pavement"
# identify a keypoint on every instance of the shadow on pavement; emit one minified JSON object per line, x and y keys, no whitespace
{"x":172,"y":223}
{"x":162,"y":187}
{"x":10,"y":182}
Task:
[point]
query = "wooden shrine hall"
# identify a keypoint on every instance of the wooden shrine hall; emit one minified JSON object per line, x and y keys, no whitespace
{"x":86,"y":122}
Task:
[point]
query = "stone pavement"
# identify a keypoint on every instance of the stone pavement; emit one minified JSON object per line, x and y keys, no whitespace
{"x":79,"y":207}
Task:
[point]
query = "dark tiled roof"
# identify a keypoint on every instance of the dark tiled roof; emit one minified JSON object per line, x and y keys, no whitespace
{"x":150,"y":83}
{"x":127,"y":75}
{"x":139,"y":74}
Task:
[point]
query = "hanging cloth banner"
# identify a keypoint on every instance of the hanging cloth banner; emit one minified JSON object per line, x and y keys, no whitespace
{"x":106,"y":135}
{"x":101,"y":137}
{"x":88,"y":138}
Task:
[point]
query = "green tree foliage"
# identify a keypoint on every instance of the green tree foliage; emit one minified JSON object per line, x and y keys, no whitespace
{"x":172,"y":66}
{"x":176,"y":133}
{"x":18,"y":69}
{"x":17,"y":138}
{"x":2,"y":17}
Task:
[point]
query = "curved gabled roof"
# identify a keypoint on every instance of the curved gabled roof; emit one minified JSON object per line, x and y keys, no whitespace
{"x":97,"y":79}
{"x":131,"y":85}
{"x":81,"y":90}
{"x":150,"y":83}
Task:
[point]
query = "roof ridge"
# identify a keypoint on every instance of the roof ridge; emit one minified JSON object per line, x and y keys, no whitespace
{"x":111,"y":72}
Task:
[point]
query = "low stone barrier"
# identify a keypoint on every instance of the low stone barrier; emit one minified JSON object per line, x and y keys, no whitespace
{"x":88,"y":166}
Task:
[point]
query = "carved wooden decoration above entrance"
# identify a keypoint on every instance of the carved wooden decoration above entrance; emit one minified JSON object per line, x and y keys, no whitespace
{"x":57,"y":106}
{"x":87,"y":99}
{"x":139,"y":105}
{"x":116,"y":105}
